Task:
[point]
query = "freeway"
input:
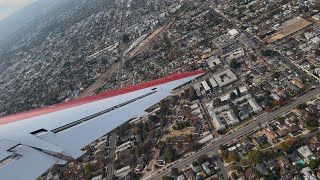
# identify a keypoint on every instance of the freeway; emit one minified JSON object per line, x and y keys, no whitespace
{"x":111,"y":155}
{"x":213,"y":148}
{"x":119,"y":80}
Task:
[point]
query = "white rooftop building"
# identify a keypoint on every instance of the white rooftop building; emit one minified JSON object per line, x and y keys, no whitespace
{"x":205,"y":167}
{"x":224,"y":78}
{"x":125,"y":146}
{"x":97,"y":177}
{"x":232,"y":119}
{"x":233,"y":33}
{"x":196,"y":112}
{"x":213,"y":62}
{"x":236,"y":54}
{"x":216,"y":121}
{"x":206,"y":86}
{"x":213,"y":83}
{"x":181,"y":177}
{"x":315,"y":40}
{"x":194,"y":106}
{"x":305,"y":151}
{"x":316,"y":17}
{"x":206,"y":139}
{"x":123,"y":171}
{"x":308,"y":35}
{"x":254,"y":105}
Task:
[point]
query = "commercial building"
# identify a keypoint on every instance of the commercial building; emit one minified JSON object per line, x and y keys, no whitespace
{"x":224,"y":78}
{"x":233,"y":33}
{"x":206,"y":86}
{"x":213,"y":83}
{"x":213,"y":62}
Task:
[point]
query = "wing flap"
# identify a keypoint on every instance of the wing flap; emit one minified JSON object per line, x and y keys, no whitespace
{"x":28,"y":164}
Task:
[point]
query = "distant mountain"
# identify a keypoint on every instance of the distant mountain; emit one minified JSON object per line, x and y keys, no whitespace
{"x":20,"y":19}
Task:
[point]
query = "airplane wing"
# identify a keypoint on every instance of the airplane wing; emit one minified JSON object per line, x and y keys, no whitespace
{"x":33,"y":141}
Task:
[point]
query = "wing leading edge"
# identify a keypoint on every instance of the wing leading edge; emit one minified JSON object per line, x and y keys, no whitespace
{"x":47,"y":135}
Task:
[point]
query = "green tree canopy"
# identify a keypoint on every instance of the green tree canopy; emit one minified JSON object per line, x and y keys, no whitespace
{"x":233,"y":95}
{"x":232,"y":157}
{"x":88,"y":168}
{"x":175,"y":172}
{"x":313,"y":164}
{"x":288,"y":145}
{"x":254,"y":156}
{"x":216,"y":102}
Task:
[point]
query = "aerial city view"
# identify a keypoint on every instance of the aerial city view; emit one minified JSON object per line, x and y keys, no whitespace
{"x":160,"y":89}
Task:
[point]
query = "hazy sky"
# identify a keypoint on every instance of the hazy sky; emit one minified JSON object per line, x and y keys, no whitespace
{"x":8,"y":7}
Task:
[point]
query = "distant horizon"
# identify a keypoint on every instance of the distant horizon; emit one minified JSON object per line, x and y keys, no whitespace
{"x":10,"y":7}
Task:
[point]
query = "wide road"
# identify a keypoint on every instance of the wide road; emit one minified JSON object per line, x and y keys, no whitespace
{"x":119,"y":80}
{"x":213,"y":149}
{"x":112,"y":148}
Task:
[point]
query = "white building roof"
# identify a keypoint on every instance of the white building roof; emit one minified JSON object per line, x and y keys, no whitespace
{"x":224,"y":78}
{"x":233,"y":32}
{"x":213,"y":83}
{"x":196,"y":112}
{"x":232,"y":119}
{"x":316,"y":40}
{"x":305,"y":151}
{"x":205,"y":86}
{"x":205,"y":139}
{"x":194,"y":106}
{"x":254,"y":105}
{"x":212,"y":62}
{"x":217,"y":122}
{"x":123,"y":171}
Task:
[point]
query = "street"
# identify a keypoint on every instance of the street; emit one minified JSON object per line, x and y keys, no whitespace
{"x":111,"y":155}
{"x":213,"y":149}
{"x":119,"y":80}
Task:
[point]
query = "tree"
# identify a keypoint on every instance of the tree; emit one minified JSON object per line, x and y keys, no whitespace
{"x":186,"y":93}
{"x":302,"y":106}
{"x":234,"y":64}
{"x":313,"y":164}
{"x":153,"y":118}
{"x":192,"y":94}
{"x":232,"y":157}
{"x":288,"y":145}
{"x":318,"y":137}
{"x":203,"y":158}
{"x":88,"y":168}
{"x":222,"y":147}
{"x":216,"y":102}
{"x":125,"y":38}
{"x":175,"y":172}
{"x":268,"y":53}
{"x":234,"y":176}
{"x":233,"y":95}
{"x":169,"y":154}
{"x":281,"y":120}
{"x":317,"y":5}
{"x":254,"y":156}
{"x":317,"y":53}
{"x":167,"y":178}
{"x":252,"y":57}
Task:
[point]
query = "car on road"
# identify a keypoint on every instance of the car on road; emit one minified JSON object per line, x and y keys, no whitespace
{"x":220,"y":176}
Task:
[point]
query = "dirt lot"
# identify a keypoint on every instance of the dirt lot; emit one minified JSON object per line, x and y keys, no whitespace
{"x":289,"y":27}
